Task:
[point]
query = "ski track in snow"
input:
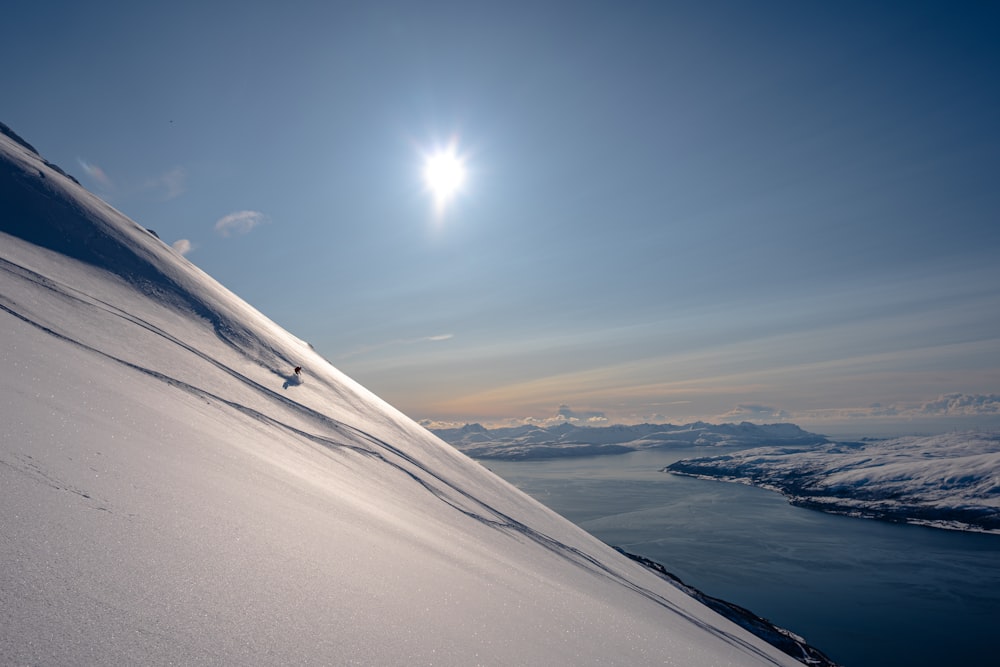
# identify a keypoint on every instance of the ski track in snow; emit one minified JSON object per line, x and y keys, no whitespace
{"x":365,"y":443}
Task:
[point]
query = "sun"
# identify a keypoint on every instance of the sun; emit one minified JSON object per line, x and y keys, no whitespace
{"x":444,"y":174}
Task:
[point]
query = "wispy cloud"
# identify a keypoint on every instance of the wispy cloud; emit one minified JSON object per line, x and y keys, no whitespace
{"x":962,"y":405}
{"x":96,"y":174}
{"x":367,"y":349}
{"x":944,"y":409}
{"x":239,"y":222}
{"x":594,"y":417}
{"x":438,"y":423}
{"x":171,"y":183}
{"x":563,"y":415}
{"x":753,"y":413}
{"x":182,"y":246}
{"x":944,"y":406}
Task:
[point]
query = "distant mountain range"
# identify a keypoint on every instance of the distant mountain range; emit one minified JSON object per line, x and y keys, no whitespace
{"x":535,"y":442}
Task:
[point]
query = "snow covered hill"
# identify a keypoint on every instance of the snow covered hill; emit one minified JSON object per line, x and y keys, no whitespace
{"x":172,"y":493}
{"x":946,"y":481}
{"x":563,"y":440}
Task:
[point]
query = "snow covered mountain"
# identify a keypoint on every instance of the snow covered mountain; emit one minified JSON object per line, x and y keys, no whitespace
{"x":535,"y":442}
{"x":172,"y":492}
{"x":945,"y":481}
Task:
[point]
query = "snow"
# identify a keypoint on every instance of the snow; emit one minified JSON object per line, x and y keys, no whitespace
{"x":171,"y":496}
{"x":946,"y":481}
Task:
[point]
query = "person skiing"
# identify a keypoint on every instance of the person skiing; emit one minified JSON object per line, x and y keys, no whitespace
{"x":298,"y":371}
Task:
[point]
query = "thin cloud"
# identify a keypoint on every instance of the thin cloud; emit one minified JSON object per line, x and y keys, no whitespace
{"x":975,"y":408}
{"x":434,"y":424}
{"x":96,"y":174}
{"x":436,"y":338}
{"x":962,"y":405}
{"x":172,"y":183}
{"x":239,"y":222}
{"x":566,"y":413}
{"x":944,"y":405}
{"x":754,"y":413}
{"x":182,"y":246}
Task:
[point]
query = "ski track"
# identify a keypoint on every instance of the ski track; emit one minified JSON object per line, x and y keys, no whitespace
{"x":487,"y":515}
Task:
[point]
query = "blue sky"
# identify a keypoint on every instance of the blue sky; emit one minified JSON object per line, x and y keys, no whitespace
{"x":672,"y":211}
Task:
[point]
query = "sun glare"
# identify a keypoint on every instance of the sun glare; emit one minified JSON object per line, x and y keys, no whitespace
{"x":444,"y":174}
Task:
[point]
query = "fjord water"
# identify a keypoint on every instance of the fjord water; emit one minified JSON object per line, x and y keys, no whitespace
{"x":865,"y":592}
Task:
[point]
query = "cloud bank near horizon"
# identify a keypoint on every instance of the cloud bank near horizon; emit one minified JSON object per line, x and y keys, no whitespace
{"x":944,"y":406}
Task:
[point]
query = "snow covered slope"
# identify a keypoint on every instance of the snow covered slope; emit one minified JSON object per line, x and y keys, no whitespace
{"x":172,"y":493}
{"x":946,"y":481}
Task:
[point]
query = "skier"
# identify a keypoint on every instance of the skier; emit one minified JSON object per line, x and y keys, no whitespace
{"x":298,"y":371}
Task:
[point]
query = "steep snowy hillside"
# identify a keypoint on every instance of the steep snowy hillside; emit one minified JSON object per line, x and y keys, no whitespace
{"x":173,"y":493}
{"x":946,"y":481}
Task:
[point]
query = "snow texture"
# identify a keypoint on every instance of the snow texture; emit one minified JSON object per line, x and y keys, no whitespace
{"x":946,"y":481}
{"x":172,"y":494}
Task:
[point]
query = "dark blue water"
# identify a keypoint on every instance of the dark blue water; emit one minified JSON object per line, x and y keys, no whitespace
{"x":866,"y":593}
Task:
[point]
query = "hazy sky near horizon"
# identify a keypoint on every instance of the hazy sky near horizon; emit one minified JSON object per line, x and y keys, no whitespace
{"x":672,"y":210}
